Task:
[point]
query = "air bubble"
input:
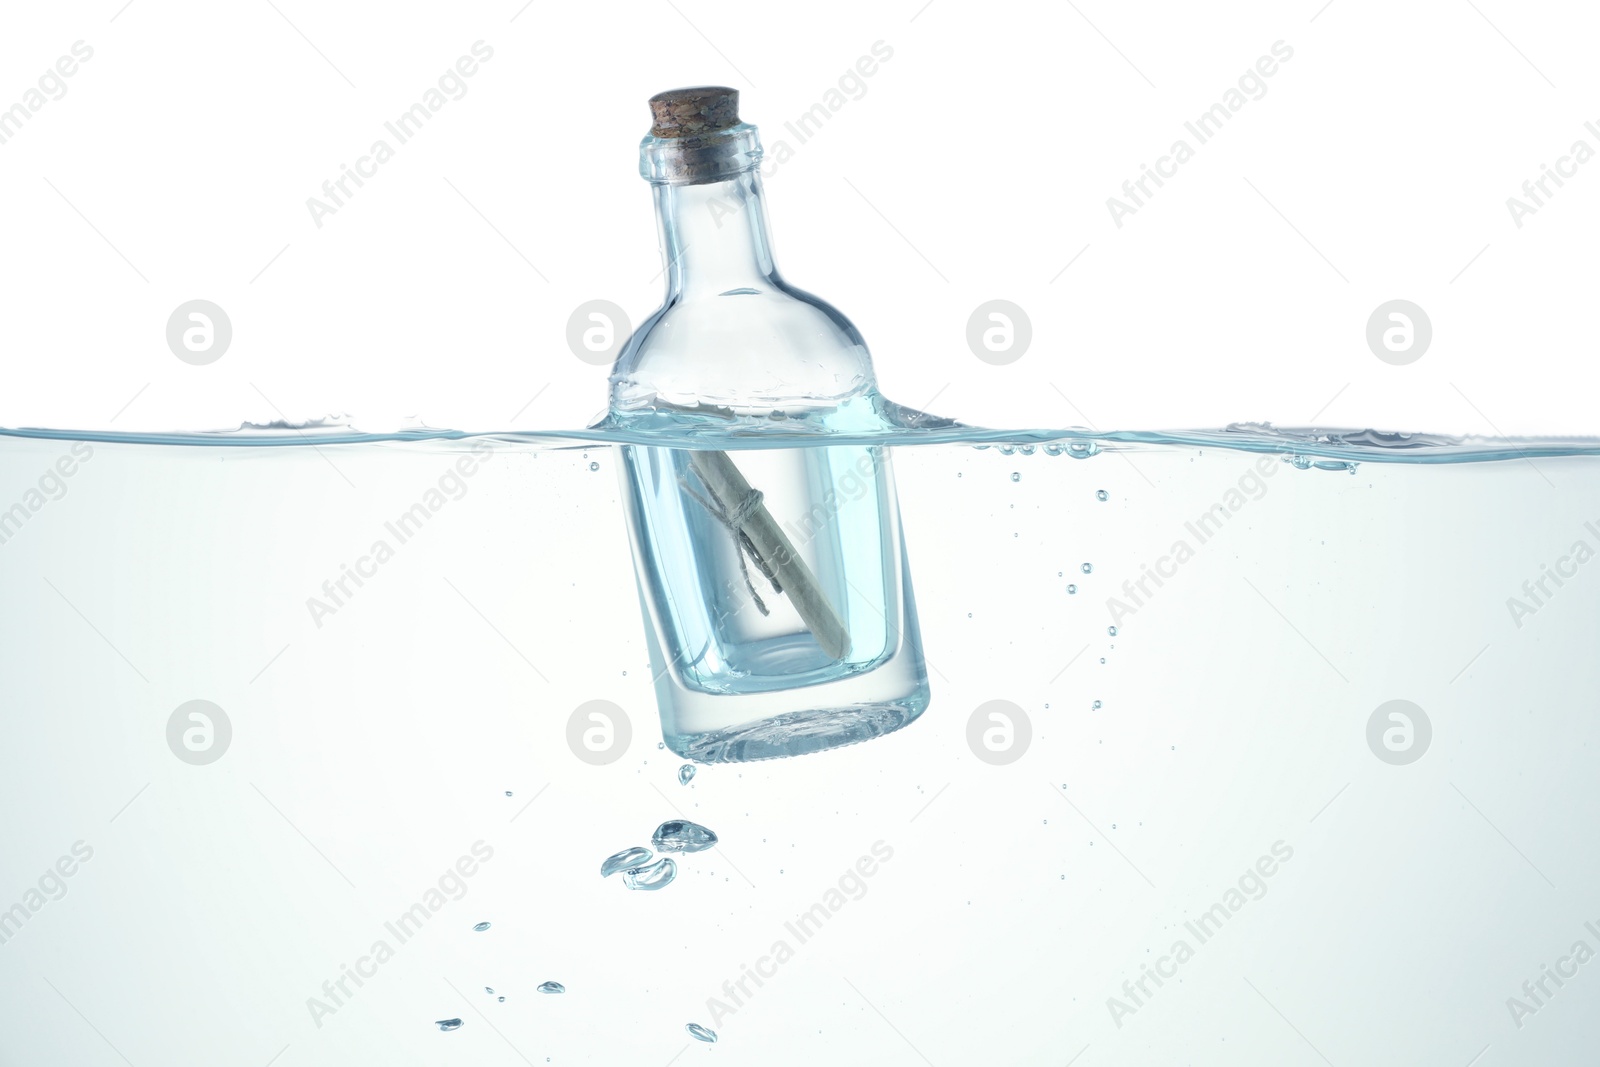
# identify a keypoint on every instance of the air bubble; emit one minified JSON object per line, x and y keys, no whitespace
{"x":1088,"y":568}
{"x":626,"y":859}
{"x":681,"y":835}
{"x":1016,"y":476}
{"x":1101,"y":495}
{"x":654,"y":876}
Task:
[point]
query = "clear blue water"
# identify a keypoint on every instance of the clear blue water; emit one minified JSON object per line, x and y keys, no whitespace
{"x":1331,"y":780}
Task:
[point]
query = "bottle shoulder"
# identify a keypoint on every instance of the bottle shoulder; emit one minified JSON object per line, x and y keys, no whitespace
{"x":761,"y":347}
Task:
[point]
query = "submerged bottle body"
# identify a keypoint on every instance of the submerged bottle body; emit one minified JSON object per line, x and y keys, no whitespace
{"x":743,"y":667}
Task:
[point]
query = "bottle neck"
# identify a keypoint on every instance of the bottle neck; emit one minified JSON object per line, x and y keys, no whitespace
{"x":714,"y":236}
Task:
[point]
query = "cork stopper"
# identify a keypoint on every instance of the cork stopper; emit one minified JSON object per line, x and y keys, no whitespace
{"x":695,"y":111}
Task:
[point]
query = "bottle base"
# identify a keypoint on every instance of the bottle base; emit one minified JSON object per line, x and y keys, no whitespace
{"x":800,"y":732}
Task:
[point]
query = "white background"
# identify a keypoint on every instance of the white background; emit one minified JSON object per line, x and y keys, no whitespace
{"x":976,"y":165}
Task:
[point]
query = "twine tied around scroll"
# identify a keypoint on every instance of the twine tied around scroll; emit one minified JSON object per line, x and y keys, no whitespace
{"x":734,"y":520}
{"x":743,"y":510}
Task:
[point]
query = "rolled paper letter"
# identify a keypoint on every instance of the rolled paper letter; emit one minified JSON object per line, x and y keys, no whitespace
{"x":775,"y":553}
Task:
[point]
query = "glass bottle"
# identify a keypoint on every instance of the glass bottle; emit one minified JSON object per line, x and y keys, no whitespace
{"x":771,"y":568}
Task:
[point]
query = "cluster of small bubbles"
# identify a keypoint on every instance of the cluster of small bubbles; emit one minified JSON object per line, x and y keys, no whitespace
{"x":1101,"y":495}
{"x":1016,"y":476}
{"x":1071,"y":588}
{"x":1112,"y":630}
{"x":1088,"y":568}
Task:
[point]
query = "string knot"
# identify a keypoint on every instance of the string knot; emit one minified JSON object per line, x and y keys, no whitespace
{"x":734,"y":520}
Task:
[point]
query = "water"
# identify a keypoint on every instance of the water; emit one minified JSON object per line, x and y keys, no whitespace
{"x":1375,"y":879}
